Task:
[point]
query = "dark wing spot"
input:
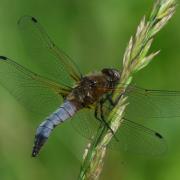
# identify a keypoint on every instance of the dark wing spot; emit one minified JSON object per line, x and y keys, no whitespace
{"x":158,"y":135}
{"x":3,"y":58}
{"x":34,"y":19}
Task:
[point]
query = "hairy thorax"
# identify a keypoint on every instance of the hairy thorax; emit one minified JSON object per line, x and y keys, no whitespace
{"x":89,"y":90}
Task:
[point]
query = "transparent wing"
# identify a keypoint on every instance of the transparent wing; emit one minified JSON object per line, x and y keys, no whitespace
{"x":47,"y":58}
{"x":133,"y":137}
{"x":147,"y":103}
{"x":85,"y":123}
{"x":35,"y":92}
{"x":144,"y":103}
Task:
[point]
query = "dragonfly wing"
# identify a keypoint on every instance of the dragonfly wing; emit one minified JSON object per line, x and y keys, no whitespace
{"x":152,"y":103}
{"x":135,"y":138}
{"x":147,"y":104}
{"x":85,"y":123}
{"x":35,"y":92}
{"x":131,"y":136}
{"x":50,"y":61}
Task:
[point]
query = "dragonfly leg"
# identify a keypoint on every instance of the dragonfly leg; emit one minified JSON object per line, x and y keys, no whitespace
{"x":99,"y":112}
{"x":99,"y":108}
{"x":110,"y":99}
{"x":96,"y":112}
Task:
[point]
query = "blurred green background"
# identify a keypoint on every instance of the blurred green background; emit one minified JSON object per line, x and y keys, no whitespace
{"x":94,"y":33}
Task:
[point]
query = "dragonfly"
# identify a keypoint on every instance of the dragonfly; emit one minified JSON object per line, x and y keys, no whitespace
{"x":58,"y":91}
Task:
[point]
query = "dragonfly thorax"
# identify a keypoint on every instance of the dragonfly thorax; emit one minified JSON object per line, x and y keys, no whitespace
{"x":93,"y":86}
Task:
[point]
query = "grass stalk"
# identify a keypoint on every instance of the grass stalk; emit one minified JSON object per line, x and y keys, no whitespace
{"x":136,"y":57}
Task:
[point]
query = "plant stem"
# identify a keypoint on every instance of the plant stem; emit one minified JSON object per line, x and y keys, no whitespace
{"x":136,"y":57}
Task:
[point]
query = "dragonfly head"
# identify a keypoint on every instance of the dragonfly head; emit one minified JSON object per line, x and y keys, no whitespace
{"x":112,"y":74}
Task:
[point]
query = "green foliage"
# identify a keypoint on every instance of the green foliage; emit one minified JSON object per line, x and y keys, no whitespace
{"x":136,"y":57}
{"x":94,"y":33}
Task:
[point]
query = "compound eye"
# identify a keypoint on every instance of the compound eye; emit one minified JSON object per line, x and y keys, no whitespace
{"x":108,"y":72}
{"x":116,"y":75}
{"x":111,"y":73}
{"x":105,"y":71}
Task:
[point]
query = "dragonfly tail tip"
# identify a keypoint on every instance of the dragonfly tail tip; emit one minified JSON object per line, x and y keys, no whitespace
{"x":34,"y":153}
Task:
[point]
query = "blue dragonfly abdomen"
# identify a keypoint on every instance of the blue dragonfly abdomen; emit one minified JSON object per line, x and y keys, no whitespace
{"x":64,"y":112}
